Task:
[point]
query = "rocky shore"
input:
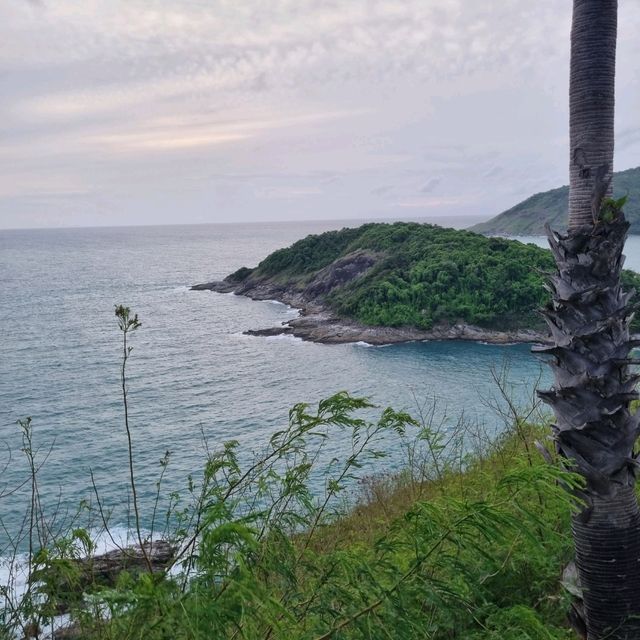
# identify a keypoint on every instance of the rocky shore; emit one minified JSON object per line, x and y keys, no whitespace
{"x":317,"y":324}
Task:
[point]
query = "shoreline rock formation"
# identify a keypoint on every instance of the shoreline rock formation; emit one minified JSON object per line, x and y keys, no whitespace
{"x":316,"y":323}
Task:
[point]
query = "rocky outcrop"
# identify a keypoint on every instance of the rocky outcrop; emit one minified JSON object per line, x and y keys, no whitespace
{"x":339,"y":273}
{"x":221,"y":286}
{"x":97,"y":571}
{"x":104,"y":569}
{"x":325,"y":328}
{"x":316,"y":323}
{"x":306,"y":295}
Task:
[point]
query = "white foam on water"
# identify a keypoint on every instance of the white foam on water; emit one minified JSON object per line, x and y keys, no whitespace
{"x":276,"y":302}
{"x":14,"y":571}
{"x":284,"y":336}
{"x":362,"y":343}
{"x":13,"y":575}
{"x":289,"y":309}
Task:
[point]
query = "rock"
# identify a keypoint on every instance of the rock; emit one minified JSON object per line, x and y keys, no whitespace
{"x":338,"y":273}
{"x":104,"y":569}
{"x":271,"y":331}
{"x":220,"y":286}
{"x":325,"y":328}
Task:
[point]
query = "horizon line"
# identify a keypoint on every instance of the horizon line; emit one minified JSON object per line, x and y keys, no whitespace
{"x":250,"y":222}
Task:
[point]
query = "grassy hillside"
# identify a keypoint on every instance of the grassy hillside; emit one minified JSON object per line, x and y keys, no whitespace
{"x":529,"y":217}
{"x":409,"y":274}
{"x":467,"y":542}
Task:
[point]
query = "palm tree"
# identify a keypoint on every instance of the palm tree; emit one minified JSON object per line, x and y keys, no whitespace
{"x":589,"y":321}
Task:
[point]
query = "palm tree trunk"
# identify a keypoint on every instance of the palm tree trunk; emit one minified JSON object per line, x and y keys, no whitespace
{"x":607,"y":561}
{"x":589,"y":321}
{"x":594,"y":428}
{"x":591,"y":106}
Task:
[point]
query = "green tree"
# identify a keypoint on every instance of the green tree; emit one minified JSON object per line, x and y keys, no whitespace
{"x":589,"y":320}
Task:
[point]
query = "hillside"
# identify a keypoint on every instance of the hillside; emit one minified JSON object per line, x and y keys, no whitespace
{"x":417,"y":280}
{"x":529,"y":217}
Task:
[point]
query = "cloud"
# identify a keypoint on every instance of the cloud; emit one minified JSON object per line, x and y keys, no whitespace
{"x":332,"y":108}
{"x":494,"y":172}
{"x":381,"y":191}
{"x":287,"y":193}
{"x":185,"y":132}
{"x":431,"y":185}
{"x":433,"y":203}
{"x":627,"y":138}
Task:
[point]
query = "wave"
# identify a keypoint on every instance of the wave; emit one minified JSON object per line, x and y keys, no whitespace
{"x":284,"y":336}
{"x":275,"y":302}
{"x":289,"y":309}
{"x":14,"y":570}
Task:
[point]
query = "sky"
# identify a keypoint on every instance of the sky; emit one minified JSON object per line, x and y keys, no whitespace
{"x":119,"y":112}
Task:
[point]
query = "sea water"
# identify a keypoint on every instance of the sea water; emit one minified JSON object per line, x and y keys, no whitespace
{"x":193,"y":377}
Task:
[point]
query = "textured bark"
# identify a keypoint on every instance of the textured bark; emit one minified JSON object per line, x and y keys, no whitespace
{"x":591,"y":107}
{"x":594,"y":385}
{"x":608,"y":560}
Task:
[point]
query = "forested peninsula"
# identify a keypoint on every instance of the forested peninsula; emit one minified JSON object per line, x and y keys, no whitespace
{"x":383,"y":283}
{"x":529,"y":216}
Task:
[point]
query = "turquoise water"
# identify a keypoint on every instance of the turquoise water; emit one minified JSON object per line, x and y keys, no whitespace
{"x":192,"y":372}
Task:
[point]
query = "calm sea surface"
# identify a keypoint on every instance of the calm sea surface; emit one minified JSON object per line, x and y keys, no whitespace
{"x":192,"y":372}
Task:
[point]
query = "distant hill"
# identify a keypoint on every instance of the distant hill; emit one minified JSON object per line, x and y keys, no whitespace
{"x":528,"y":217}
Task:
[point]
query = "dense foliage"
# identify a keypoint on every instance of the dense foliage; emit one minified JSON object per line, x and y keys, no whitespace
{"x":529,"y":217}
{"x":311,"y":253}
{"x":424,"y":275}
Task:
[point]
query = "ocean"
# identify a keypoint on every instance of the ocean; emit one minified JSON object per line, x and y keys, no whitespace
{"x":192,"y":375}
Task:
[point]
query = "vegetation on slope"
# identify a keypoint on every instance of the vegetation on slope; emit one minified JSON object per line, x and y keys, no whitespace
{"x":421,"y":275}
{"x":530,"y":216}
{"x":468,"y":541}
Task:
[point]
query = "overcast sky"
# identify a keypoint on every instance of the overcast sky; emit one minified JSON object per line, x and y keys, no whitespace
{"x":167,"y":111}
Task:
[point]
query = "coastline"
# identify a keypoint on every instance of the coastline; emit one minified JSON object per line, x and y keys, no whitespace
{"x":316,"y":323}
